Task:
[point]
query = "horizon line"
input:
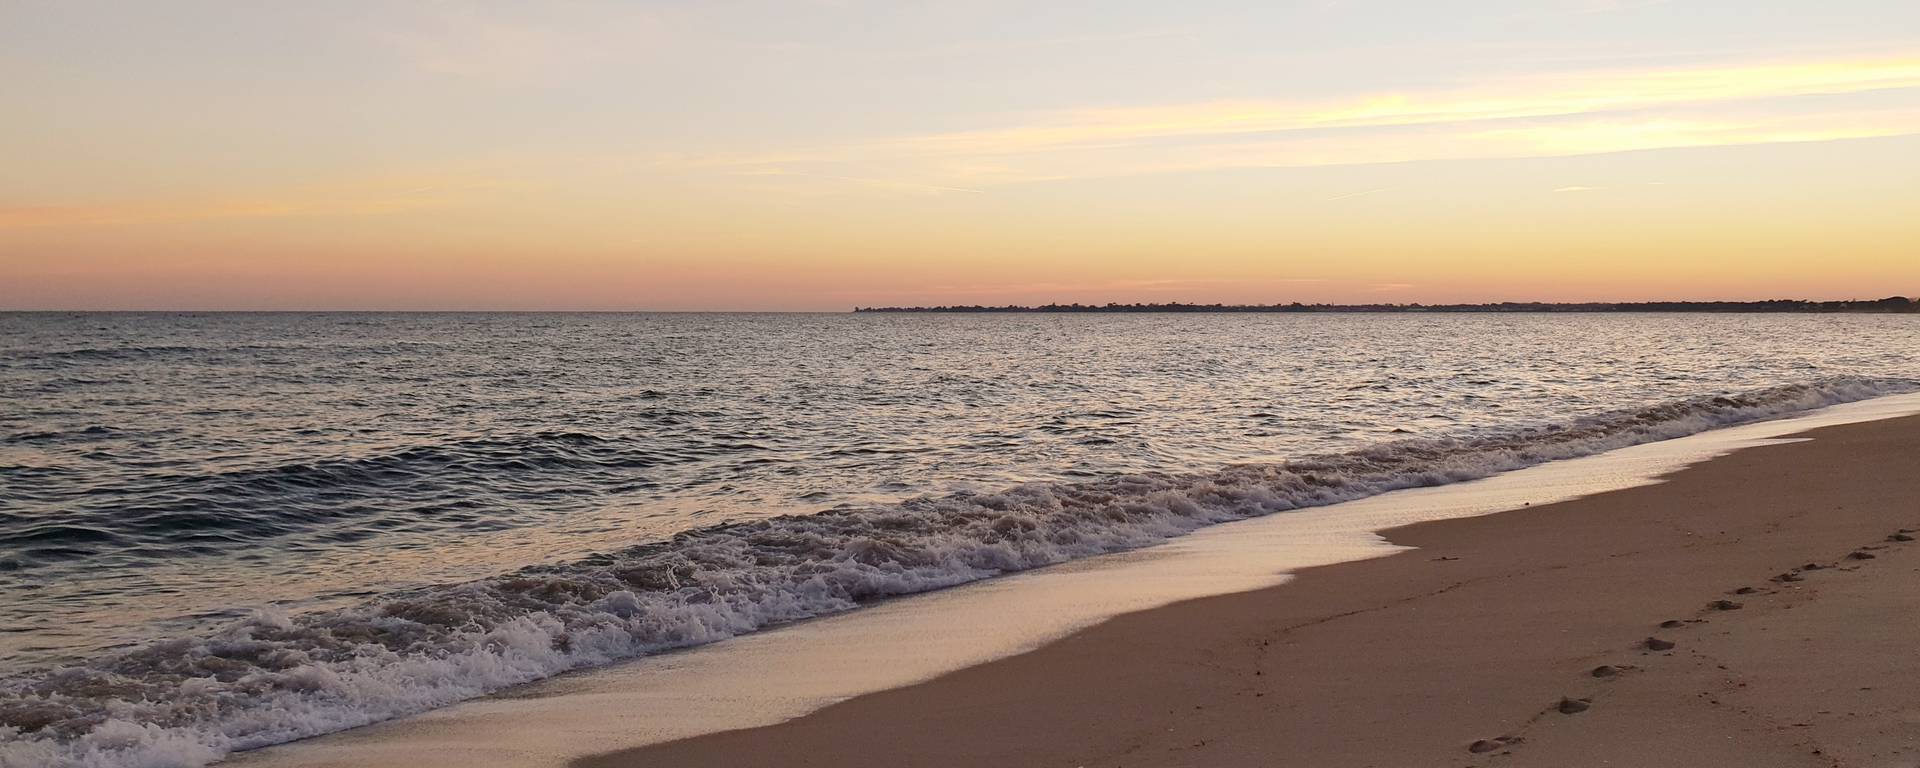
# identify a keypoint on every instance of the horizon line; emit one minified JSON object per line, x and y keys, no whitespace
{"x":1057,"y":307}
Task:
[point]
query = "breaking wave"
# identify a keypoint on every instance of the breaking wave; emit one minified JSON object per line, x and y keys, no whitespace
{"x":276,"y":678}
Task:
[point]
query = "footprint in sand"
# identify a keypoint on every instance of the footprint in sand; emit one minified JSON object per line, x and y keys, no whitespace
{"x":1571,"y":706}
{"x":1725,"y":605}
{"x":1860,"y":555}
{"x":1488,"y":745}
{"x":1657,"y":644}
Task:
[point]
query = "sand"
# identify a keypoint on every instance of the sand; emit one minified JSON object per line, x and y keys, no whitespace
{"x":1489,"y":636}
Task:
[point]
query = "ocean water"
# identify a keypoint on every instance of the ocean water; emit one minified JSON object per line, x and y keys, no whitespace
{"x":219,"y":531}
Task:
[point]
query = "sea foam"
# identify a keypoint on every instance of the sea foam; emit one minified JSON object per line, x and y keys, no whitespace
{"x":273,"y":678}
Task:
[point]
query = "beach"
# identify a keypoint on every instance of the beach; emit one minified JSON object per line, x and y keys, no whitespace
{"x":600,"y":384}
{"x":1490,"y":634}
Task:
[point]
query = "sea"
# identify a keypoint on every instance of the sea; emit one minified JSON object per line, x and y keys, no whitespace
{"x":220,"y":531}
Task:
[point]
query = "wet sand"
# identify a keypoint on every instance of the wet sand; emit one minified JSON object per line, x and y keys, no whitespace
{"x":1484,"y":637}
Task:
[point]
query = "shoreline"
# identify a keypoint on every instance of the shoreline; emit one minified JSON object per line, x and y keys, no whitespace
{"x":1477,"y":635}
{"x":789,"y":673}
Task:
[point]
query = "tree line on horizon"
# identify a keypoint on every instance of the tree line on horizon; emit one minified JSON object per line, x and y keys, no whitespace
{"x":1891,"y":304}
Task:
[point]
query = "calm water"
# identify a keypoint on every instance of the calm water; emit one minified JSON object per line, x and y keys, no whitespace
{"x":165,"y":476}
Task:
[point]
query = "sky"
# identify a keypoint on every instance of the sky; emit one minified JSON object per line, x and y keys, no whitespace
{"x":826,"y":154}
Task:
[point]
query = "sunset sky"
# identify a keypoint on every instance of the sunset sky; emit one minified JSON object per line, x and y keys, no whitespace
{"x":822,"y":154}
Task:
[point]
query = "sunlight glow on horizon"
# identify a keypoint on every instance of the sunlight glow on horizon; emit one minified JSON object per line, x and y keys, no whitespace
{"x":471,"y":155}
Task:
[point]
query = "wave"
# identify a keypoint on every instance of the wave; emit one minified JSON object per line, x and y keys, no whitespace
{"x":276,"y":678}
{"x":94,"y":432}
{"x":97,"y":354}
{"x":468,"y":484}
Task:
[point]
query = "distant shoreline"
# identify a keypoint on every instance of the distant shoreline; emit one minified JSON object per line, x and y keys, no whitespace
{"x":1891,"y":305}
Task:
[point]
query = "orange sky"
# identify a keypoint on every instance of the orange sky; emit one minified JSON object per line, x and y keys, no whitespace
{"x":455,"y":155}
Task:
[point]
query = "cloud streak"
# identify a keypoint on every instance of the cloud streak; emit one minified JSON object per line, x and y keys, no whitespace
{"x":1534,"y":97}
{"x":372,"y":199}
{"x":1565,"y":114}
{"x":488,"y":43}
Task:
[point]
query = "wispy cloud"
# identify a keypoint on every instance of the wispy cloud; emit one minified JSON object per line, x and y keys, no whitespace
{"x":1361,"y":193}
{"x":888,"y":184}
{"x":1592,"y":7}
{"x":494,"y":43}
{"x":1659,"y":132}
{"x":1532,"y":97}
{"x":363,"y":199}
{"x":1564,"y":114}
